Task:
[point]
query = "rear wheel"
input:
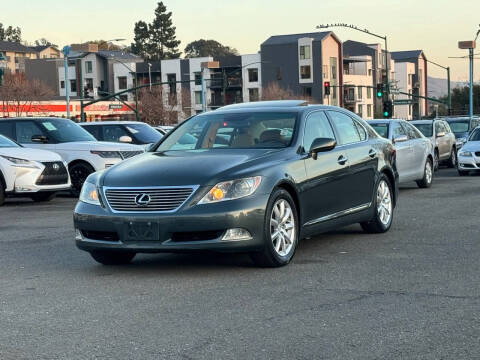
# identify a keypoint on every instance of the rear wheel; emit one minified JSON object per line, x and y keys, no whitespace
{"x":106,"y":257}
{"x":78,"y":174}
{"x":383,"y":206}
{"x":452,"y":162}
{"x":427,"y":179}
{"x":280,"y":231}
{"x":41,"y":197}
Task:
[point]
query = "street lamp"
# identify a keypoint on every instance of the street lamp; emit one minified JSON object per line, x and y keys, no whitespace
{"x":449,"y":95}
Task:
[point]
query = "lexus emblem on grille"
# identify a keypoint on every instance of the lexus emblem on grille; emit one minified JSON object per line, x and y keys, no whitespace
{"x":142,"y":199}
{"x":56,"y":167}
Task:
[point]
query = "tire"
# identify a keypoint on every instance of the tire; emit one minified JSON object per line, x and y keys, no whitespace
{"x":281,"y":240}
{"x":463,"y":173}
{"x":43,"y":196}
{"x":106,"y":257}
{"x":78,"y":174}
{"x":427,"y":179}
{"x":378,"y":224}
{"x":2,"y":193}
{"x":436,"y":160}
{"x":452,"y":161}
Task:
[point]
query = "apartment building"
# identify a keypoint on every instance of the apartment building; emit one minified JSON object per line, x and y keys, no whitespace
{"x":358,"y":93}
{"x":15,"y":54}
{"x":412,"y":82}
{"x":47,"y":52}
{"x":302,"y":63}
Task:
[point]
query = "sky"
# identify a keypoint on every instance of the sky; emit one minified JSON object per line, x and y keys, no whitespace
{"x":434,"y":26}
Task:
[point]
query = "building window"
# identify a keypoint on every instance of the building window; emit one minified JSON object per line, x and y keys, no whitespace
{"x":307,"y":92}
{"x":304,"y":52}
{"x":89,"y":84}
{"x":369,"y":110}
{"x":360,"y":110}
{"x":253,"y":94}
{"x":252,"y":75}
{"x":198,"y":97}
{"x":62,"y":84}
{"x":198,"y":78}
{"x":360,"y":93}
{"x":409,"y":79}
{"x":73,"y":85}
{"x":279,"y":74}
{"x":369,"y":72}
{"x":88,"y":67}
{"x":334,"y":72}
{"x":325,"y":71}
{"x":305,"y":72}
{"x":172,"y":83}
{"x":369,"y":92}
{"x":122,"y":82}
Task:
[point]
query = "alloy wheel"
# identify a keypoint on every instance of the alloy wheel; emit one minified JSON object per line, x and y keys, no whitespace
{"x":428,"y":172}
{"x":384,"y":203}
{"x":282,"y":227}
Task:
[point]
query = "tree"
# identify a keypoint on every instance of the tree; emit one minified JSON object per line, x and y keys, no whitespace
{"x":10,"y":33}
{"x":158,"y":107}
{"x":44,"y":42}
{"x":274,"y":91}
{"x":460,"y":100}
{"x":157,"y":40}
{"x":202,"y":48}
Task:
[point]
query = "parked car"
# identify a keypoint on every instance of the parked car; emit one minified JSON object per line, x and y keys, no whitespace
{"x":37,"y":174}
{"x":80,"y":150}
{"x":469,"y":154}
{"x":414,"y":151}
{"x":164,"y":129}
{"x":442,"y":138}
{"x":287,"y":171}
{"x":461,"y":127}
{"x":130,"y":132}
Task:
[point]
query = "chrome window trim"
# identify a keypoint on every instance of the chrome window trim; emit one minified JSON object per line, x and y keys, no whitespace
{"x":105,"y":188}
{"x":338,"y":214}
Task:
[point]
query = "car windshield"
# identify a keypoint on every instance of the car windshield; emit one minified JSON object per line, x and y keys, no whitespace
{"x":459,"y":127}
{"x":144,"y":133}
{"x":7,"y":143}
{"x":62,"y":130}
{"x":475,"y":136}
{"x":381,"y":129}
{"x":425,"y":129}
{"x":234,"y":131}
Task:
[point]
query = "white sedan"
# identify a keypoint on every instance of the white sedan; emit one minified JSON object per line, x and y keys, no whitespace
{"x":469,"y":154}
{"x":38,"y":174}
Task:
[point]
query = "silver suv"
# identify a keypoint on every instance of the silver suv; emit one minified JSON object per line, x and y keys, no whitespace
{"x":442,"y":138}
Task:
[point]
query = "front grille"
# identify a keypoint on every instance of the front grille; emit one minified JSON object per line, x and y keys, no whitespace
{"x":101,"y":235}
{"x":129,"y":154}
{"x":162,"y":199}
{"x":55,"y":173}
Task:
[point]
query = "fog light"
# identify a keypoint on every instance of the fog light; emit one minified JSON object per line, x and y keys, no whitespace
{"x":78,"y":235}
{"x":236,"y":235}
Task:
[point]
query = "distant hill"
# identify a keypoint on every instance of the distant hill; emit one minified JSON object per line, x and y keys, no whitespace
{"x":438,"y":87}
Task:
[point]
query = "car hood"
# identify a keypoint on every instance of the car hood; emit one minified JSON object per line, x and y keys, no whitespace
{"x":97,"y":145}
{"x":471,"y":146}
{"x":179,"y":168}
{"x":30,"y":154}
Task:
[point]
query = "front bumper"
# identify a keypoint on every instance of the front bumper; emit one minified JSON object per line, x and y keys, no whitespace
{"x":469,"y":163}
{"x":26,"y":181}
{"x":197,"y":227}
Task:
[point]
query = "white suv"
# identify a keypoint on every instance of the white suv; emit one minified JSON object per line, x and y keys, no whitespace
{"x":77,"y":147}
{"x":38,"y":174}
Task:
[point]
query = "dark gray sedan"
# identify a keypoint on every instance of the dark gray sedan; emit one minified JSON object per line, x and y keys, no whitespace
{"x":257,"y":178}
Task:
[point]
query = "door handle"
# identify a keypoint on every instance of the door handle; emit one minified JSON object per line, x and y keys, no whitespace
{"x":372,"y":153}
{"x":342,"y":160}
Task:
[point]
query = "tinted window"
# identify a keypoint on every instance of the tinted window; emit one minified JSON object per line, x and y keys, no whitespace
{"x":381,"y":129}
{"x":7,"y":143}
{"x":25,"y":130}
{"x":346,"y":128}
{"x":425,"y":129}
{"x":62,"y":130}
{"x":95,"y":130}
{"x":144,"y":133}
{"x":446,"y":127}
{"x":397,"y":130}
{"x":317,"y":126}
{"x":438,"y":127}
{"x":460,"y":126}
{"x":6,"y":129}
{"x":113,"y":133}
{"x":411,"y":131}
{"x":361,"y":131}
{"x":475,"y":135}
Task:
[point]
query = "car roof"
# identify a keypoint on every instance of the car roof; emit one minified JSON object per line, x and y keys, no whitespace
{"x":383,"y":121}
{"x":111,"y":122}
{"x":275,"y":105}
{"x":33,"y":118}
{"x":425,"y":121}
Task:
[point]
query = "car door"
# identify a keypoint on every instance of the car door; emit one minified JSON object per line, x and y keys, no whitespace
{"x":441,"y":141}
{"x":362,"y":158}
{"x":404,"y":151}
{"x":25,"y":129}
{"x":449,"y":136}
{"x":113,"y":133}
{"x":419,"y":150}
{"x":323,"y":193}
{"x":95,"y":130}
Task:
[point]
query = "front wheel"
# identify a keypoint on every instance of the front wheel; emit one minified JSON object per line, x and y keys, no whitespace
{"x":2,"y":194}
{"x":280,"y":231}
{"x":436,"y":160}
{"x":452,"y":162}
{"x":427,"y":179}
{"x":383,"y":207}
{"x":106,"y":257}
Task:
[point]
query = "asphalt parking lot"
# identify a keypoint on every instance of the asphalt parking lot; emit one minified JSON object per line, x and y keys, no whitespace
{"x":413,"y":293}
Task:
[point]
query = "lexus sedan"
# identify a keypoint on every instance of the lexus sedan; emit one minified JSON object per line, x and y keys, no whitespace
{"x":259,"y":177}
{"x":469,"y":154}
{"x":414,"y":151}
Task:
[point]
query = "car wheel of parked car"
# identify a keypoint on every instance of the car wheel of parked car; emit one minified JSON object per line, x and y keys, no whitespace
{"x":106,"y":257}
{"x":452,"y":162}
{"x":78,"y":174}
{"x":280,"y":231}
{"x":2,"y":193}
{"x":436,"y":160}
{"x":383,"y":206}
{"x":463,"y":172}
{"x":40,"y":197}
{"x":427,"y":179}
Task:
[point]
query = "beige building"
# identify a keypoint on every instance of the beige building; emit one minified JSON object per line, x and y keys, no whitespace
{"x":47,"y":52}
{"x":15,"y":53}
{"x":358,"y":92}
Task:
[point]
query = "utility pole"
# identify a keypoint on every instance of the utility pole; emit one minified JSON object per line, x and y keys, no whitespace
{"x":149,"y":76}
{"x":449,"y":92}
{"x":204,"y":102}
{"x":66,"y":52}
{"x":470,"y":45}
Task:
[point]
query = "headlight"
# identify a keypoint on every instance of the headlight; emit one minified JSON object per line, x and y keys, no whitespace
{"x":89,"y":194}
{"x":107,"y":154}
{"x":465,"y":153}
{"x":20,"y":162}
{"x":230,"y":190}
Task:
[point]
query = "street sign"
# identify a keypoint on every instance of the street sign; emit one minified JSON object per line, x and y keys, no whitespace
{"x":115,"y":106}
{"x":466,"y":44}
{"x":403,"y":102}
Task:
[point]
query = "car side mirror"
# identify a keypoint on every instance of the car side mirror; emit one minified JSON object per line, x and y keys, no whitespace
{"x":125,"y":139}
{"x":441,"y":134}
{"x":39,"y":139}
{"x":321,"y":145}
{"x":401,"y":138}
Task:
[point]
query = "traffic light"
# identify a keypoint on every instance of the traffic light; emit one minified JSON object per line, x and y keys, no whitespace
{"x":379,"y":90}
{"x":387,"y":109}
{"x":326,"y":86}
